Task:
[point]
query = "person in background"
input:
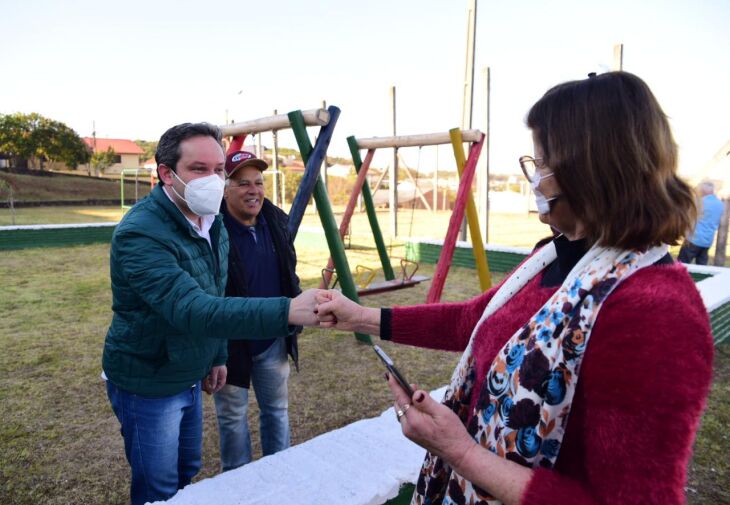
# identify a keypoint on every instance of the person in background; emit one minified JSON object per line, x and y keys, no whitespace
{"x":261,"y":263}
{"x":170,"y":323}
{"x":695,"y":246}
{"x":585,"y":372}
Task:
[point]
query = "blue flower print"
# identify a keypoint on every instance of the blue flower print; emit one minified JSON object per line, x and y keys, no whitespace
{"x":528,"y":442}
{"x":575,"y":287}
{"x":542,"y":315}
{"x":544,"y":334}
{"x":515,"y":356}
{"x":550,"y":448}
{"x":505,"y":408}
{"x":489,"y":412}
{"x":555,"y":388}
{"x":556,"y":317}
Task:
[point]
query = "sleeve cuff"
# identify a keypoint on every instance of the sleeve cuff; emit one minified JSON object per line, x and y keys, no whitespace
{"x":386,"y":318}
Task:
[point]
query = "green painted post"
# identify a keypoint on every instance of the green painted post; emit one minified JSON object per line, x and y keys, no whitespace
{"x":326,"y":216}
{"x":367,"y":197}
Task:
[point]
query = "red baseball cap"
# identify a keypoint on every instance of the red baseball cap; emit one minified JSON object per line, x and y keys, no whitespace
{"x":238,"y":159}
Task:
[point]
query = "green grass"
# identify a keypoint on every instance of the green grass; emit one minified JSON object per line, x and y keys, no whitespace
{"x":60,"y":442}
{"x":55,"y":186}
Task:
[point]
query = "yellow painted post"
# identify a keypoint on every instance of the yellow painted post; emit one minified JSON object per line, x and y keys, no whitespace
{"x":480,"y":255}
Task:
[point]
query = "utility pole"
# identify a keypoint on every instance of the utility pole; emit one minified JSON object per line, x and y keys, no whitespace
{"x":393,"y":190}
{"x":276,"y":164}
{"x":468,"y":101}
{"x":323,"y":171}
{"x":93,"y":136}
{"x":484,"y":186}
{"x":618,"y":57}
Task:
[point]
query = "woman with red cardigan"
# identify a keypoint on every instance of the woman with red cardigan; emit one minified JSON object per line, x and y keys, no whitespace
{"x":584,"y":374}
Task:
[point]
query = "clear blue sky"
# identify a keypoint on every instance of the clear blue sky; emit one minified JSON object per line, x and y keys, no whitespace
{"x":137,"y":68}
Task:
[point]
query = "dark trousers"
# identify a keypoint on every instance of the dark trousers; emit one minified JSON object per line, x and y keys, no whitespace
{"x":689,"y":252}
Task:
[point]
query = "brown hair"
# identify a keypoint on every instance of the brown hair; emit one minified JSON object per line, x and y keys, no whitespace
{"x":610,"y":146}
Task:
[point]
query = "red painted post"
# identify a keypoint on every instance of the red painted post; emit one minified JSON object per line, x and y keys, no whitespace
{"x":347,"y":216}
{"x":447,"y":252}
{"x":236,"y":143}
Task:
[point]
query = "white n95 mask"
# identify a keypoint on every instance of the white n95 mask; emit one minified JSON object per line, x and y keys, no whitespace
{"x":203,"y":195}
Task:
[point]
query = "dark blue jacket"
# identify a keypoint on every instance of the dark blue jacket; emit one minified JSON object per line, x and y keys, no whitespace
{"x":239,"y":353}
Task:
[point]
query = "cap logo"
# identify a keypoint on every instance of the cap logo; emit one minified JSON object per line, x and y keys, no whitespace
{"x":241,"y":156}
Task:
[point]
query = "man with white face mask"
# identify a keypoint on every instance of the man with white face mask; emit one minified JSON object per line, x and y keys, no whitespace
{"x":169,"y":331}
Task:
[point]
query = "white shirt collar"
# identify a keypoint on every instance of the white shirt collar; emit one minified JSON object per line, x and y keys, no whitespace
{"x":206,"y":221}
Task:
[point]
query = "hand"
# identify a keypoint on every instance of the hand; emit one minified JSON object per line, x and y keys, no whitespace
{"x":335,"y":310}
{"x":432,"y":425}
{"x":215,"y":380}
{"x":302,"y":309}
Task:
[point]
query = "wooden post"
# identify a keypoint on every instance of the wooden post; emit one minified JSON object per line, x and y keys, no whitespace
{"x":721,"y":244}
{"x":472,"y":217}
{"x":447,"y":252}
{"x":367,"y":198}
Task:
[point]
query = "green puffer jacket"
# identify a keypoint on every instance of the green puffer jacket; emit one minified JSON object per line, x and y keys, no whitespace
{"x":170,"y":321}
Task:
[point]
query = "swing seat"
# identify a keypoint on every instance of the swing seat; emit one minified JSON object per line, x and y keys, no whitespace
{"x":364,"y":275}
{"x":407,"y":280}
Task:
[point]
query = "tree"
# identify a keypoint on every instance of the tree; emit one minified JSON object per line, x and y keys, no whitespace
{"x":6,"y":189}
{"x":149,"y":148}
{"x":28,"y":137}
{"x":102,"y":160}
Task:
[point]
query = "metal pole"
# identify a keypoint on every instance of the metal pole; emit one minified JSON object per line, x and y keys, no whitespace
{"x":435,"y":194}
{"x":323,"y":172}
{"x":277,"y":191}
{"x":484,"y":203}
{"x":393,"y":190}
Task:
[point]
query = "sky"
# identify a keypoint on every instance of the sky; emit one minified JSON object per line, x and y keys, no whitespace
{"x":136,"y":68}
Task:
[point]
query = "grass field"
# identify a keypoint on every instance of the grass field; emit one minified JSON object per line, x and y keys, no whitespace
{"x":59,"y":441}
{"x":55,"y":186}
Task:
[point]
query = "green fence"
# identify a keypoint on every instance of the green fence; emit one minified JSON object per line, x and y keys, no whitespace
{"x":505,"y":259}
{"x":50,"y":235}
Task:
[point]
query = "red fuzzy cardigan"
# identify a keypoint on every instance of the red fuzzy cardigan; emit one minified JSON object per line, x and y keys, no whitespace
{"x":642,"y":387}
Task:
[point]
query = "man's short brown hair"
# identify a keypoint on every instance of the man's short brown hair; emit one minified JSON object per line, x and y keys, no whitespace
{"x":611,"y":148}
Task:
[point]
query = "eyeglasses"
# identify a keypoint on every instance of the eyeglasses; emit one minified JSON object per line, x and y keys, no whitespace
{"x":529,"y":166}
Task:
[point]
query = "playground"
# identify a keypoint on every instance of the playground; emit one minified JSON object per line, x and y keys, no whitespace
{"x":58,"y":433}
{"x":60,"y":441}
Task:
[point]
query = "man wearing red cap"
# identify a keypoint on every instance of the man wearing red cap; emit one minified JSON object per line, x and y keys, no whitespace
{"x":261,"y":263}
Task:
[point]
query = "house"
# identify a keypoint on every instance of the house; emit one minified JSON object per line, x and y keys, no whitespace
{"x":126,"y":152}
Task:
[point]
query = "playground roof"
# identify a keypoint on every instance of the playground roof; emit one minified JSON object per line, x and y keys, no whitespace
{"x":120,"y":146}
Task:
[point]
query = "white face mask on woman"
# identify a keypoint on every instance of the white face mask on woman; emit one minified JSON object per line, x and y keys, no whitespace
{"x":543,"y":204}
{"x":203,"y":195}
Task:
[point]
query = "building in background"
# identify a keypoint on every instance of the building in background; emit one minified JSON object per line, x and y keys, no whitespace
{"x":127,"y":153}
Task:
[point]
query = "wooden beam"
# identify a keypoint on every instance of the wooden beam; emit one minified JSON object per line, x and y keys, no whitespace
{"x":314,"y":117}
{"x":427,"y":139}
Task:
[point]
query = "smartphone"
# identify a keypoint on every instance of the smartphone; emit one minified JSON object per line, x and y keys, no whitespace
{"x":393,"y":370}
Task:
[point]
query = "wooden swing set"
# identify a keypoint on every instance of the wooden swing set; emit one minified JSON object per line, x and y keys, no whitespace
{"x":464,"y":203}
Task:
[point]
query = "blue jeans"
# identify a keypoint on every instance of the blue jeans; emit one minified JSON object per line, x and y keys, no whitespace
{"x":690,"y":251}
{"x":163,"y":440}
{"x":269,"y":375}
